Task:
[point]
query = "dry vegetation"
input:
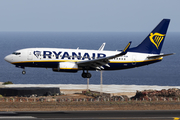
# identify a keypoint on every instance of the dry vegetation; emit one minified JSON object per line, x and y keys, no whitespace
{"x":66,"y":106}
{"x":69,"y":105}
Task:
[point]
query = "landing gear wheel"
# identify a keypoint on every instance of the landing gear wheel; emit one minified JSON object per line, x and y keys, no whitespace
{"x":86,"y":75}
{"x":23,"y":72}
{"x":83,"y":75}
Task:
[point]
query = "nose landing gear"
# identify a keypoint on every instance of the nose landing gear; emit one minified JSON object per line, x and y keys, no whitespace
{"x":23,"y":72}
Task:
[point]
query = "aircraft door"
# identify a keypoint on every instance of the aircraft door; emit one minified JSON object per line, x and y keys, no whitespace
{"x":30,"y":55}
{"x":134,"y":60}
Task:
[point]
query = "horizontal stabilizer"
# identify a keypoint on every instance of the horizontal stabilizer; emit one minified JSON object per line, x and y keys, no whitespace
{"x":158,"y":56}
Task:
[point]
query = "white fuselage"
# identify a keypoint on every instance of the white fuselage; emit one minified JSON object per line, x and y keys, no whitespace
{"x":50,"y":57}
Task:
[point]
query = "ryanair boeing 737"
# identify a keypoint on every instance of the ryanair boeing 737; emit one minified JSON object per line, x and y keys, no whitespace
{"x":72,"y":60}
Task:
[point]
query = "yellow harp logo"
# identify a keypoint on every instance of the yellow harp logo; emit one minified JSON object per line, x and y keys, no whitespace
{"x":156,"y":38}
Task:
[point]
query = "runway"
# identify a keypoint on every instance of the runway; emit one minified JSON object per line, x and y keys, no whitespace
{"x":95,"y":115}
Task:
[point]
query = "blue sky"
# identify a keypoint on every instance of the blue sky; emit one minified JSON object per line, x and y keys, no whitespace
{"x":87,"y":15}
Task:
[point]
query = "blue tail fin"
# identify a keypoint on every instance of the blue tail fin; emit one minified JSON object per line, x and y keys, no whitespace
{"x":153,"y":42}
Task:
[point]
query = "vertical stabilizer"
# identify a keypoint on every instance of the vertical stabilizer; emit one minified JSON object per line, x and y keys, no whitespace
{"x":153,"y":42}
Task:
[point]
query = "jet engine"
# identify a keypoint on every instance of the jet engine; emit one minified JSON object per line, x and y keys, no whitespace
{"x":66,"y":67}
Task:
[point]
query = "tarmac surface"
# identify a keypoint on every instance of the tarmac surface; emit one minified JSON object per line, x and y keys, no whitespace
{"x":95,"y":115}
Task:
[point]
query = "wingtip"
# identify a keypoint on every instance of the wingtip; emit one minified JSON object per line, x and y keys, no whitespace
{"x":127,"y":47}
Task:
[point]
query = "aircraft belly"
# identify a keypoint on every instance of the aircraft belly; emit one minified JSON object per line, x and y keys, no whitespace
{"x":119,"y":66}
{"x":39,"y":64}
{"x":113,"y":66}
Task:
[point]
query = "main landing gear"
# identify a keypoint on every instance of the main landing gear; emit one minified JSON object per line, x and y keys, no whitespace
{"x":86,"y":75}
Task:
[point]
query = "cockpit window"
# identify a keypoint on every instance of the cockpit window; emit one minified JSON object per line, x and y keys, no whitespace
{"x":16,"y":53}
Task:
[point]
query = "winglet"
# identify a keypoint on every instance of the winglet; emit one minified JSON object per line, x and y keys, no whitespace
{"x":126,"y":49}
{"x":102,"y":47}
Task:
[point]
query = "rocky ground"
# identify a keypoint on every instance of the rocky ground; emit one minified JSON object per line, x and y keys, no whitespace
{"x":93,"y":101}
{"x":163,"y":94}
{"x":66,"y":106}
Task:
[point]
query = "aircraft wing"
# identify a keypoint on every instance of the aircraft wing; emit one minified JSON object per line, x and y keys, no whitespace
{"x":98,"y":63}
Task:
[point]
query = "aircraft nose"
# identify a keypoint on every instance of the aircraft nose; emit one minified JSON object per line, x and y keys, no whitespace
{"x":7,"y":58}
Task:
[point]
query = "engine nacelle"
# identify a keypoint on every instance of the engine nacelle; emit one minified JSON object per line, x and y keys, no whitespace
{"x":66,"y":67}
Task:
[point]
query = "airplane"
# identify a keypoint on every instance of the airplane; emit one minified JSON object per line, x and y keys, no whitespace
{"x":73,"y":60}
